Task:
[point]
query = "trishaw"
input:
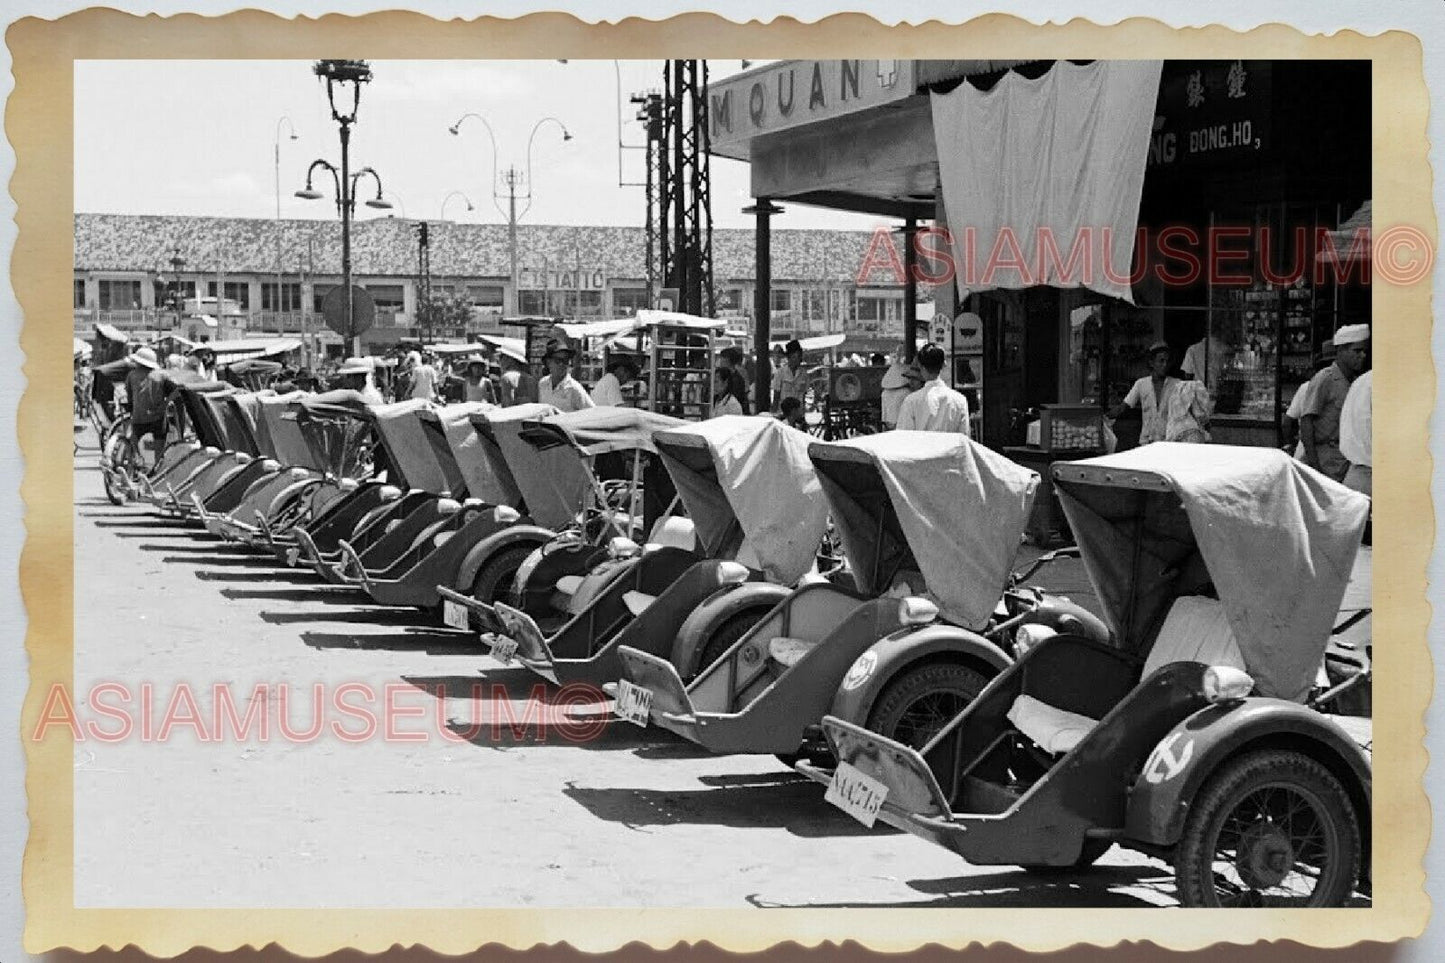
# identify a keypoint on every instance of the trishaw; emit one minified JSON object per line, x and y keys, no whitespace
{"x":753,"y":499}
{"x":225,"y":413}
{"x":372,"y":553}
{"x":930,"y":524}
{"x":394,"y":571}
{"x":608,"y":455}
{"x":340,"y":435}
{"x":1199,"y":735}
{"x":414,"y":484}
{"x":281,"y":445}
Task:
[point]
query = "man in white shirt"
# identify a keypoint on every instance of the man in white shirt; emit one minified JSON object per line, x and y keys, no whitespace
{"x":899,"y":381}
{"x":423,"y":377}
{"x":559,"y":389}
{"x":1355,"y":436}
{"x":1205,"y":359}
{"x":608,"y":389}
{"x":935,"y":406}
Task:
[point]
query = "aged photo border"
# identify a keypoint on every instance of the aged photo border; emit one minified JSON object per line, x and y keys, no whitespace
{"x":39,"y":122}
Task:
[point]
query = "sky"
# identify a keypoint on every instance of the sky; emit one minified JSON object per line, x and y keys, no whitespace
{"x":199,"y":137}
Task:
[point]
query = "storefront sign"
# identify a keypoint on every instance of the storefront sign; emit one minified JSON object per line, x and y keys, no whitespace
{"x":577,"y":279}
{"x":1211,"y":111}
{"x":792,"y":93}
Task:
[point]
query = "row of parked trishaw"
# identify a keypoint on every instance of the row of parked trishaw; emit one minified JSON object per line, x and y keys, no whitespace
{"x":850,"y":608}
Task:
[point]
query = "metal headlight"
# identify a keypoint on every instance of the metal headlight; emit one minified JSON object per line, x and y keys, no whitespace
{"x":1030,"y":635}
{"x":917,"y":611}
{"x":1225,"y":683}
{"x":621,"y":547}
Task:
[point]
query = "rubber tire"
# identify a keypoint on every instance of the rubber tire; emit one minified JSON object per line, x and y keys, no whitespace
{"x":498,"y":572}
{"x":733,"y":628}
{"x":917,"y":681}
{"x":1193,"y":859}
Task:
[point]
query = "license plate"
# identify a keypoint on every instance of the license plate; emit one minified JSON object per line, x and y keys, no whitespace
{"x":292,"y":554}
{"x":856,"y":793}
{"x":504,"y":650}
{"x":634,"y":703}
{"x":455,"y":615}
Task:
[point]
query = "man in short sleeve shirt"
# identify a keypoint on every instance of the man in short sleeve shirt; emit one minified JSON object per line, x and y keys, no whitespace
{"x":1320,"y":426}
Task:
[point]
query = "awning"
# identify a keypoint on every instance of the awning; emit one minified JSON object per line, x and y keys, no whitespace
{"x":236,"y":350}
{"x":647,"y":318}
{"x":820,"y":342}
{"x":598,"y":329}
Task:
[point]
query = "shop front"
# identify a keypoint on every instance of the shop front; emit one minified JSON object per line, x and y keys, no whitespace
{"x":1246,"y":256}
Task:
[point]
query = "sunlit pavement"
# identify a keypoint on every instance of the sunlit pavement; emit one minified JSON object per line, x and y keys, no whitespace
{"x":633,"y":817}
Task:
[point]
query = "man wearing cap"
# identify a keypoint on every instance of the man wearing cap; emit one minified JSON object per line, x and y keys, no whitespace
{"x":1320,"y":426}
{"x":791,"y":378}
{"x":935,"y":406}
{"x":202,"y":360}
{"x":608,"y":389}
{"x":1169,"y":409}
{"x":559,"y":389}
{"x":518,"y":385}
{"x":355,"y":374}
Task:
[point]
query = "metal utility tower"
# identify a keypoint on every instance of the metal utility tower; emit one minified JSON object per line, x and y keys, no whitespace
{"x":426,"y":309}
{"x":685,"y":227}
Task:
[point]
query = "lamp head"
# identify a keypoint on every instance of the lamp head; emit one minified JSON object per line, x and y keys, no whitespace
{"x":455,"y":128}
{"x":309,"y":194}
{"x":380,"y":203}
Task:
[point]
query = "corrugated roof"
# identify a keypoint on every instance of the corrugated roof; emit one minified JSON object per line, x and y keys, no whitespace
{"x":388,"y":247}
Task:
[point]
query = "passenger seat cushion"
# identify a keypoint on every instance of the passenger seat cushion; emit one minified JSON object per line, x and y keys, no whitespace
{"x":1196,"y":630}
{"x":1053,"y":730}
{"x":569,"y":584}
{"x":637,"y":602}
{"x":789,"y":652}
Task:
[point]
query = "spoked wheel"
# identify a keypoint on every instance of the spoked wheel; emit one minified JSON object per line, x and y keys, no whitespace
{"x":1270,"y":829}
{"x":733,"y":628}
{"x":923,"y":699}
{"x":494,"y":580}
{"x":121,"y":456}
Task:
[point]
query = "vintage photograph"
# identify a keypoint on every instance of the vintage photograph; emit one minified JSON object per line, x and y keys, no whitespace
{"x":569,"y":494}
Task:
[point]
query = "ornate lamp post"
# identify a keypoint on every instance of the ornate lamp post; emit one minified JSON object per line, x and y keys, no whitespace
{"x":513,"y":176}
{"x":342,"y":73}
{"x":292,"y":128}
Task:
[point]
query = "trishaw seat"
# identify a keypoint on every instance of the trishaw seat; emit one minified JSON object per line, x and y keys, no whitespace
{"x":637,"y":602}
{"x":788,"y":652}
{"x":673,"y":532}
{"x":1195,"y":630}
{"x":568,"y":584}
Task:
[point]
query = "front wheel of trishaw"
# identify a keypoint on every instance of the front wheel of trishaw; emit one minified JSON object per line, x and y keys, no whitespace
{"x":494,"y":580}
{"x":1271,"y":828}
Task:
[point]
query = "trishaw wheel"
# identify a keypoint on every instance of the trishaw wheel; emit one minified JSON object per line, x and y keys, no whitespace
{"x":494,"y":580}
{"x":1271,"y":828}
{"x":733,"y":628}
{"x":111,"y":491}
{"x":922,"y":699}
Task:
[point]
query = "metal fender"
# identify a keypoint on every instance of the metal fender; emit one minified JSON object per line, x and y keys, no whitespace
{"x":294,"y":490}
{"x":716,"y":609}
{"x":489,"y":546}
{"x":1068,"y":618}
{"x":881,"y":663}
{"x":1193,"y":750}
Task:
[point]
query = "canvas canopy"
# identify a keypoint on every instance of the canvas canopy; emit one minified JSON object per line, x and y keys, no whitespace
{"x":647,"y":318}
{"x":598,"y":329}
{"x":749,"y":478}
{"x":950,"y":506}
{"x":400,"y":427}
{"x":1276,"y":539}
{"x":277,"y":437}
{"x":553,"y":483}
{"x":335,"y":421}
{"x":477,"y":455}
{"x":597,"y":431}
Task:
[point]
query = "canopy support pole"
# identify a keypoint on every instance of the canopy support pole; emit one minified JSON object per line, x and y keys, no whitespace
{"x":910,"y":290}
{"x":763,"y":210}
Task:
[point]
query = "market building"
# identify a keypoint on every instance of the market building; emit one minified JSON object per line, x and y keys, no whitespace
{"x":142,"y":272}
{"x":1255,"y":189}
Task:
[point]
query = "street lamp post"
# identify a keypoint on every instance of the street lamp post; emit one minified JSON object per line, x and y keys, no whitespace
{"x":511,"y":178}
{"x":177,"y":262}
{"x":448,"y":198}
{"x":292,"y":128}
{"x":355,"y":73}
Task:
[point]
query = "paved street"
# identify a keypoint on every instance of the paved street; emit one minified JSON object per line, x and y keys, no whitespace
{"x":631,"y":818}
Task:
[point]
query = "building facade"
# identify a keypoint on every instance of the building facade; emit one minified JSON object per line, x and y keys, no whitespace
{"x":132,"y":271}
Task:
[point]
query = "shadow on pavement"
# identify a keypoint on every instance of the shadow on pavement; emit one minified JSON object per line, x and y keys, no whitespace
{"x":247,"y":561}
{"x":218,"y":546}
{"x":377,"y":616}
{"x":323,"y":594}
{"x":426,"y":640}
{"x":283,"y":574}
{"x":796,"y":807}
{"x":1096,"y":888}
